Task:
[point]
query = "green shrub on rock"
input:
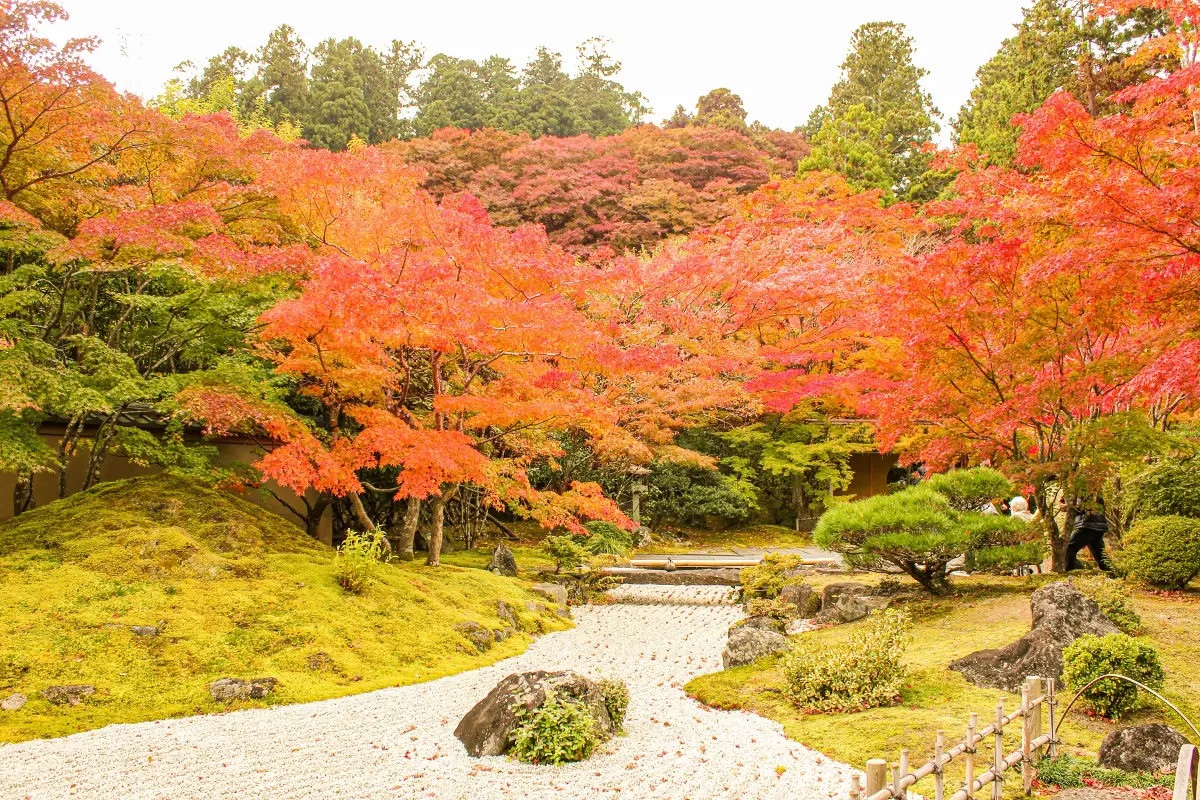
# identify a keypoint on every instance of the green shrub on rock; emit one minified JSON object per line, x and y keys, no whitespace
{"x":1161,"y":551}
{"x":616,"y":700}
{"x":863,"y":672}
{"x":558,"y":731}
{"x":767,"y":579}
{"x":566,"y":552}
{"x":1113,"y":598}
{"x":1089,"y":657}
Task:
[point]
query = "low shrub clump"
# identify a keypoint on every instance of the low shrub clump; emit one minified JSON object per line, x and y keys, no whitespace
{"x":616,"y":700}
{"x":1169,"y":488}
{"x":1113,"y":598}
{"x":605,"y":538}
{"x":356,"y":562}
{"x":1089,"y":657}
{"x":1161,"y":551}
{"x":1072,"y":772}
{"x":567,"y":553}
{"x":767,"y":579}
{"x":781,"y":611}
{"x":558,"y":731}
{"x":863,"y":672}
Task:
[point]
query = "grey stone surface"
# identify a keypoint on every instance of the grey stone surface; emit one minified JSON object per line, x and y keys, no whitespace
{"x":226,"y":690}
{"x":746,"y":645}
{"x":1061,"y":614}
{"x":851,"y":608}
{"x":70,"y":693}
{"x":803,"y":597}
{"x":761,"y":623}
{"x":1142,"y":748}
{"x":503,"y":561}
{"x":13,"y":702}
{"x":833,"y":591}
{"x":485,"y":729}
{"x":145,"y":630}
{"x":554,"y":591}
{"x":506,"y":614}
{"x":479,"y":637}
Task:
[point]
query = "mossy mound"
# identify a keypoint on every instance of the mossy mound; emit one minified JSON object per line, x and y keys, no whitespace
{"x":237,"y":592}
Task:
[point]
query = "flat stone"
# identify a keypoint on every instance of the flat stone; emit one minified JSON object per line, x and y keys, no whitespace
{"x":13,"y":702}
{"x":554,"y":591}
{"x":145,"y":630}
{"x":1061,"y":614}
{"x":1150,"y":748}
{"x":71,"y":693}
{"x":226,"y":690}
{"x":747,"y":645}
{"x":851,"y":608}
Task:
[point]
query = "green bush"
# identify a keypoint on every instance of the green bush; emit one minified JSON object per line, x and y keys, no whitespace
{"x":605,"y":538}
{"x":566,"y":552}
{"x":357,"y":561}
{"x":1089,"y":657}
{"x":915,"y":530}
{"x":970,"y":489}
{"x":1113,"y":599}
{"x":1170,"y":488}
{"x":616,"y":700}
{"x":865,"y":671}
{"x":767,"y":579}
{"x":1161,"y":551}
{"x":557,"y":732}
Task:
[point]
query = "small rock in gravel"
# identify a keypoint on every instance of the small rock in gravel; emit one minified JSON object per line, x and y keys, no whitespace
{"x":13,"y":702}
{"x":747,"y":645}
{"x":227,"y":690}
{"x":479,"y":636}
{"x":555,"y":591}
{"x":71,"y":693}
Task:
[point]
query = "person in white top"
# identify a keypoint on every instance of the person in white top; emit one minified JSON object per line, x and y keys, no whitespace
{"x":1019,"y":508}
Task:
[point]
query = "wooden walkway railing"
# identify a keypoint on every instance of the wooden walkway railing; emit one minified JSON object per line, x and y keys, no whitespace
{"x":1035,"y":693}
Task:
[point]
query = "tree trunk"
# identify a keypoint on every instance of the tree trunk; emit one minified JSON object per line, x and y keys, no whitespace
{"x":23,"y":493}
{"x":66,"y":448}
{"x":437,"y":514}
{"x":312,"y":519}
{"x":408,"y":529}
{"x":360,"y":513}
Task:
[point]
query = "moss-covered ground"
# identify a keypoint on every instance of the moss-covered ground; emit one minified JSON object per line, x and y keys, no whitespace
{"x":984,"y":613}
{"x":238,"y":591}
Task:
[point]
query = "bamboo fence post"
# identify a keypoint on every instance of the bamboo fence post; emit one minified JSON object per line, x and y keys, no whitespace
{"x":1036,"y":690}
{"x":876,"y":776}
{"x":969,"y":761}
{"x":1026,"y":739}
{"x":898,"y":791}
{"x":1052,"y":750}
{"x":998,"y":760}
{"x":895,"y":780}
{"x":939,"y":776}
{"x":855,"y":788}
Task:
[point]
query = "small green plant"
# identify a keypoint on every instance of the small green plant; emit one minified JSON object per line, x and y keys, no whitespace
{"x":1113,"y":598}
{"x":1071,"y":772}
{"x":767,"y":578}
{"x":863,"y":672}
{"x":616,"y":700}
{"x":356,"y":562}
{"x":779,"y":610}
{"x":1161,"y":551}
{"x":565,"y":551}
{"x":605,"y":538}
{"x":558,"y":731}
{"x":1089,"y":657}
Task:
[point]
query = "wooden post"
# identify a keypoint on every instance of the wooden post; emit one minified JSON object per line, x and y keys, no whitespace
{"x":1026,"y":747}
{"x":969,"y":761}
{"x":1052,"y":750}
{"x":998,"y":761}
{"x":876,"y":776}
{"x":855,"y":788}
{"x":939,"y":775}
{"x":1036,"y":690}
{"x":895,"y":779}
{"x":897,"y":791}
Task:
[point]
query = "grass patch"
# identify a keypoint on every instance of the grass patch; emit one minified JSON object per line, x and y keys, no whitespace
{"x":985,"y":612}
{"x":240,"y":593}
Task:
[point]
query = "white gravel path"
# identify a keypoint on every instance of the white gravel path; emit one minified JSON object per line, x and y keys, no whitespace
{"x":400,"y":743}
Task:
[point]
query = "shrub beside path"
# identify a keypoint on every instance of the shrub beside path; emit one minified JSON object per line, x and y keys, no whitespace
{"x":399,"y":742}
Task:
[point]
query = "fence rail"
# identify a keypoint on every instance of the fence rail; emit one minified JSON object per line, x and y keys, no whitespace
{"x":1035,"y":693}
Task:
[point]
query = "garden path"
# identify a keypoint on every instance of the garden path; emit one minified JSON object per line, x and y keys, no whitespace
{"x":400,"y":743}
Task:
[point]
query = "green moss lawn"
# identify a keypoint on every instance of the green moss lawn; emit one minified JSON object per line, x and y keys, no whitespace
{"x":984,"y":613}
{"x":240,"y":592}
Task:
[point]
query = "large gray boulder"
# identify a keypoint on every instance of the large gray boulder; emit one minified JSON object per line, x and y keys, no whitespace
{"x":1061,"y":614}
{"x":1143,"y":748}
{"x":834,"y":591}
{"x":486,"y":728}
{"x":552,"y":591}
{"x":746,"y":645}
{"x":503,"y":561}
{"x":801,"y":595}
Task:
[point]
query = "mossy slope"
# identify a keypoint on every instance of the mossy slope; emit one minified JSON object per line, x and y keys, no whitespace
{"x":239,"y":592}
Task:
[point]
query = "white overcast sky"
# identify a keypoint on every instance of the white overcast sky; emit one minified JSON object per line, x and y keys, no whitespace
{"x":780,"y":57}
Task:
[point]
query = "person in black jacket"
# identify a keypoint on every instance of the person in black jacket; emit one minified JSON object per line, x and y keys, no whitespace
{"x":1090,"y":527}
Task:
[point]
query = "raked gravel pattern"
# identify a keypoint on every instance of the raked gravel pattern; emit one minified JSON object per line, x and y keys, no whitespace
{"x":399,"y":742}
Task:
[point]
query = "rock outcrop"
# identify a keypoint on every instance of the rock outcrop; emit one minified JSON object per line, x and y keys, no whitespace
{"x":503,"y":561}
{"x":486,"y":728}
{"x":1144,"y":748}
{"x":481,"y":638}
{"x":1061,"y":614}
{"x":747,"y":644}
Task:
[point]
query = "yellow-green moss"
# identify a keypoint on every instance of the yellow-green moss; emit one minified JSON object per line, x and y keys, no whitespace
{"x":241,"y":593}
{"x":988,"y":612}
